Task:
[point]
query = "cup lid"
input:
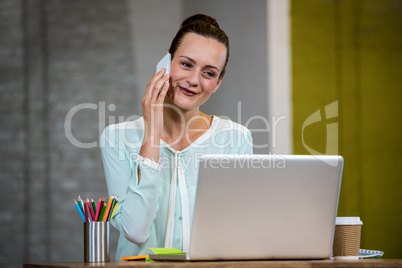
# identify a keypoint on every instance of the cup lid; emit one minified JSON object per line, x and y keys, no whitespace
{"x":348,"y":221}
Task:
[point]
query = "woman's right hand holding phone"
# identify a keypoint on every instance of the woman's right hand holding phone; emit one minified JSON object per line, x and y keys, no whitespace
{"x":152,"y":109}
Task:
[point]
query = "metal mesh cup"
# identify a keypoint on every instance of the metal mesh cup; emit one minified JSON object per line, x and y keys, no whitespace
{"x":96,"y":242}
{"x":347,"y":238}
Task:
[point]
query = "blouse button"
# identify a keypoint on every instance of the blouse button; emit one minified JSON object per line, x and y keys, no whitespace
{"x":178,"y":241}
{"x":180,"y":218}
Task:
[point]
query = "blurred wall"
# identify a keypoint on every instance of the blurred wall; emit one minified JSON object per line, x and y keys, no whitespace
{"x":89,"y":62}
{"x":347,"y":67}
{"x":56,"y":55}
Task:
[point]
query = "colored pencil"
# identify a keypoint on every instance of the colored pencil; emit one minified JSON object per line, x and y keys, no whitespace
{"x":114,"y":209}
{"x":91,"y":211}
{"x":99,"y":208}
{"x":86,"y":212}
{"x":102,"y":211}
{"x":111,"y":208}
{"x":93,"y":204}
{"x":108,"y":208}
{"x":79,"y":210}
{"x":80,"y":203}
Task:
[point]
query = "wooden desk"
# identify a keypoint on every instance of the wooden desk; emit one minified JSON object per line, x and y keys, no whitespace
{"x":225,"y":264}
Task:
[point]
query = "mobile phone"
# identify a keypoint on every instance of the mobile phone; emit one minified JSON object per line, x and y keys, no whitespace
{"x":164,"y":63}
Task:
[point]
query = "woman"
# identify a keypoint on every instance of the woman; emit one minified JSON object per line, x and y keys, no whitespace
{"x":152,"y":163}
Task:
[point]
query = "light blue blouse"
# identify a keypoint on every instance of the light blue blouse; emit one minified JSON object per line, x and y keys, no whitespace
{"x":148,"y":215}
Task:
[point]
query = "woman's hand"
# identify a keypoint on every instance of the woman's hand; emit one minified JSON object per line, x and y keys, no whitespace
{"x":152,"y":109}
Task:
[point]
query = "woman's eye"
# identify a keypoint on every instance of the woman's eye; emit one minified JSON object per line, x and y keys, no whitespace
{"x":186,"y":64}
{"x":210,"y":74}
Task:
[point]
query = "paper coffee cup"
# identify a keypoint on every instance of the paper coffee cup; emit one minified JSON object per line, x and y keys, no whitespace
{"x":347,"y":238}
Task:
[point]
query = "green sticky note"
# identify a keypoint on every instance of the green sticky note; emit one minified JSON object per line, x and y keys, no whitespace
{"x":166,"y":251}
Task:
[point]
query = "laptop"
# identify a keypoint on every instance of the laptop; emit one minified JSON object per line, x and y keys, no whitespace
{"x":255,"y":207}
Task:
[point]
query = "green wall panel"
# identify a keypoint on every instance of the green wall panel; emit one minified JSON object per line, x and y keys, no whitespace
{"x":350,"y":51}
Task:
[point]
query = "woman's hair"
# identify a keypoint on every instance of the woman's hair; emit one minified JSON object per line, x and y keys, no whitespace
{"x":205,"y":26}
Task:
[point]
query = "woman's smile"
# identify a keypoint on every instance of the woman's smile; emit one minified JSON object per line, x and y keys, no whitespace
{"x":187,"y":92}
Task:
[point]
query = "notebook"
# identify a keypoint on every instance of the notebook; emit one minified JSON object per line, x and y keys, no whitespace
{"x":251,"y":207}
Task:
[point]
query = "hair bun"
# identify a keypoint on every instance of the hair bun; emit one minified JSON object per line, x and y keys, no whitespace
{"x":200,"y":18}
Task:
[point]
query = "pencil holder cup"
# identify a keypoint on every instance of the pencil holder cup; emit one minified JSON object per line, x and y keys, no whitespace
{"x":96,"y":241}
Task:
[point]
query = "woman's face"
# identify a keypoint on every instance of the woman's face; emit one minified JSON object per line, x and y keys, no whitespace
{"x":195,"y":70}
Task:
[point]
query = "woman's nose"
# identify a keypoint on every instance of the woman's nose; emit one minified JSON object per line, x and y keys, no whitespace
{"x":193,"y":79}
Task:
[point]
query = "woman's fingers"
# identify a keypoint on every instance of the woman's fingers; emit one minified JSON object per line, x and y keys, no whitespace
{"x":151,"y":85}
{"x":162,"y":93}
{"x":155,"y":93}
{"x":159,"y":86}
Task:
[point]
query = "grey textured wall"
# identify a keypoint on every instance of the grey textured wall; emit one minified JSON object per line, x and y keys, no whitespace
{"x":54,"y":56}
{"x":12,"y":140}
{"x":57,"y":54}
